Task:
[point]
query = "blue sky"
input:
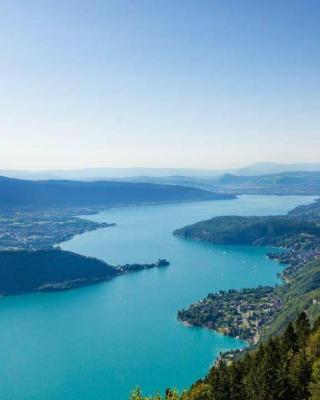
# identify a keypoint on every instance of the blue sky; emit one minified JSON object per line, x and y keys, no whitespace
{"x":158,"y":83}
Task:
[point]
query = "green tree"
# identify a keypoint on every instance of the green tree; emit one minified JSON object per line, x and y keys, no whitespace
{"x":303,"y":328}
{"x":289,"y":341}
{"x":300,"y":374}
{"x":314,"y":386}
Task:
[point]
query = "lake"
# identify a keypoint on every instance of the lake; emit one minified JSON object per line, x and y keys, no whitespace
{"x":99,"y":342}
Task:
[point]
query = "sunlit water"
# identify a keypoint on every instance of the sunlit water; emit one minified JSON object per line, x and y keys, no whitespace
{"x":101,"y":341}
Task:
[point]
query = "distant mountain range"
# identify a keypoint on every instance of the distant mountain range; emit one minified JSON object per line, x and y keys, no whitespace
{"x":142,"y":174}
{"x":108,"y":173}
{"x":301,"y":183}
{"x":264,"y":168}
{"x":102,"y":186}
{"x":58,"y":193}
{"x":271,"y":179}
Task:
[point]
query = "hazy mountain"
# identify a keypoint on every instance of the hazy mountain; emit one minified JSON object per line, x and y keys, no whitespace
{"x":108,"y":173}
{"x":186,"y":176}
{"x":263,"y":168}
{"x":288,"y":178}
{"x":301,"y":183}
{"x":58,"y":193}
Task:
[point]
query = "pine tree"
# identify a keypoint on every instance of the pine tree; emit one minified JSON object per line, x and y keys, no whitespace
{"x":303,"y":329}
{"x":316,"y":325}
{"x":314,"y":386}
{"x":289,"y":340}
{"x":300,"y":374}
{"x":283,"y":368}
{"x":200,"y":391}
{"x":235,"y":373}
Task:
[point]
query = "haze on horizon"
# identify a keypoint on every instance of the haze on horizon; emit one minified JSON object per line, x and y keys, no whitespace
{"x":194,"y":84}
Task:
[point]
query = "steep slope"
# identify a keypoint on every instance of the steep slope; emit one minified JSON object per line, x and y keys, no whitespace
{"x":286,"y":367}
{"x":301,"y":292}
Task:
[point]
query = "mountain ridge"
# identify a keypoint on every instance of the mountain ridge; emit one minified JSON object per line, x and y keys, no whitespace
{"x":65,"y":193}
{"x":96,"y":173}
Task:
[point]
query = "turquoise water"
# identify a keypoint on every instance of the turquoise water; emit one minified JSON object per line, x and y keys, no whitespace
{"x":99,"y":342}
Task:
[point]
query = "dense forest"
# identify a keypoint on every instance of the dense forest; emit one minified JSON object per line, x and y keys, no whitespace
{"x":300,"y":292}
{"x":44,"y":270}
{"x":268,"y":230}
{"x":285,"y":367}
{"x":23,"y":193}
{"x":23,"y":271}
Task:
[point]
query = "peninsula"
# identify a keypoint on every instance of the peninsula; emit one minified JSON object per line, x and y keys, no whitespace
{"x":253,"y":313}
{"x":55,"y":270}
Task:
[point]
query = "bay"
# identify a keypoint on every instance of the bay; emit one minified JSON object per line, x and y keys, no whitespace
{"x":101,"y":341}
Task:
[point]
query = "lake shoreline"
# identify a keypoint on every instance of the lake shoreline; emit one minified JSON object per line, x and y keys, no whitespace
{"x":102,"y":329}
{"x":58,"y":270}
{"x":248,"y":313}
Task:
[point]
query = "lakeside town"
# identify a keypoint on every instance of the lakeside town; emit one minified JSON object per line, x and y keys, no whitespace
{"x":237,"y":313}
{"x":39,"y":229}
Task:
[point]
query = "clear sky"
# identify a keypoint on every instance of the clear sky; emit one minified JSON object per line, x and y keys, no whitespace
{"x":158,"y":83}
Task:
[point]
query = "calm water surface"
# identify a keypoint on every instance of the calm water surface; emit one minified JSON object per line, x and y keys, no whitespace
{"x":99,"y":342}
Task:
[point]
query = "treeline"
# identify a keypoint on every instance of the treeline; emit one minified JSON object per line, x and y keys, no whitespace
{"x":47,"y":270}
{"x":301,"y":292}
{"x":285,"y":367}
{"x":236,"y":230}
{"x":24,"y":271}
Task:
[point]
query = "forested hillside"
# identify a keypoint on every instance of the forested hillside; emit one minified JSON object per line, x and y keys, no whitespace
{"x":286,"y":367}
{"x":300,"y":292}
{"x":23,"y":193}
{"x":24,"y":271}
{"x":248,"y":230}
{"x":44,"y":270}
